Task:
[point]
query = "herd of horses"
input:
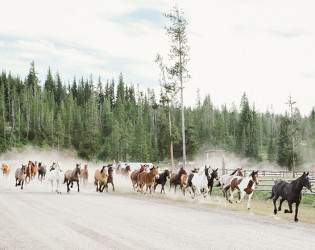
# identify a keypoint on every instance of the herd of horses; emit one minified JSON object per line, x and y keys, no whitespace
{"x":199,"y":181}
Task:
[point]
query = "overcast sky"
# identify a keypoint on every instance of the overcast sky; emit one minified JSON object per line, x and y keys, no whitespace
{"x":264,"y":48}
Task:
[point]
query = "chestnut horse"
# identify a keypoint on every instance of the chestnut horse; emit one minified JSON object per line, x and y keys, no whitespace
{"x":176,"y":178}
{"x":72,"y":176}
{"x":28,"y":172}
{"x":134,"y":175}
{"x":34,"y":169}
{"x":147,"y":179}
{"x":84,"y":174}
{"x":5,"y":170}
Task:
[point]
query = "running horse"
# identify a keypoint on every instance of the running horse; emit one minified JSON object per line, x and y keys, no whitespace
{"x":134,"y":175}
{"x":41,"y":171}
{"x":84,"y":175}
{"x":34,"y":168}
{"x":125,"y":171}
{"x":28,"y":172}
{"x":147,"y":179}
{"x":290,"y":192}
{"x":225,"y":181}
{"x":5,"y":170}
{"x":72,"y":176}
{"x":244,"y":186}
{"x":20,"y":176}
{"x":176,"y":178}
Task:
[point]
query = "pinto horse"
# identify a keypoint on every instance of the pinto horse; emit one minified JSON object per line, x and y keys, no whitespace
{"x":290,"y":192}
{"x":225,"y":180}
{"x":147,"y":179}
{"x":134,"y":175}
{"x":176,"y":178}
{"x":186,"y":180}
{"x":162,"y":180}
{"x":5,"y":170}
{"x":200,"y":181}
{"x":20,"y":176}
{"x":72,"y":176}
{"x":245,"y":186}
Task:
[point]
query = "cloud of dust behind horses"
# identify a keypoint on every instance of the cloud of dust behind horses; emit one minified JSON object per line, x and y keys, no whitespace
{"x":16,"y":157}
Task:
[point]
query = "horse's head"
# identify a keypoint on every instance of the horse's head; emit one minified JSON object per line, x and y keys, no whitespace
{"x":85,"y":166}
{"x":167,"y":173}
{"x":155,"y":171}
{"x":254,"y":176}
{"x":240,"y":172}
{"x":52,"y":167}
{"x":59,"y":167}
{"x":306,"y":182}
{"x":77,"y":170}
{"x":128,"y":168}
{"x":214,"y":174}
{"x":195,"y":170}
{"x":23,"y":169}
{"x":182,"y":171}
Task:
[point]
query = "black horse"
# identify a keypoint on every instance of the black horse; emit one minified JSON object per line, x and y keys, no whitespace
{"x":162,"y":180}
{"x":214,"y":175}
{"x":290,"y":192}
{"x":41,"y":171}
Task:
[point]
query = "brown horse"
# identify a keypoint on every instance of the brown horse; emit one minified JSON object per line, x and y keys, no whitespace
{"x":5,"y":170}
{"x":147,"y":179}
{"x":134,"y":175}
{"x":125,"y":171}
{"x":176,"y":178}
{"x":72,"y":176}
{"x":28,"y":172}
{"x":84,"y":174}
{"x":100,"y":178}
{"x":34,"y":169}
{"x":110,"y":178}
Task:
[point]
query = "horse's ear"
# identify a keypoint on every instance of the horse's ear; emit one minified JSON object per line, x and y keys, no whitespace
{"x":307,"y":173}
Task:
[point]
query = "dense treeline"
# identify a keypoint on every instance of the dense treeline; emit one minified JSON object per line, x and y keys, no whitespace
{"x":118,"y":121}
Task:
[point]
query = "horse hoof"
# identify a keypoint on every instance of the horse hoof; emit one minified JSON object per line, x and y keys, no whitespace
{"x":286,"y":211}
{"x":248,"y":208}
{"x":296,"y":220}
{"x":275,"y":211}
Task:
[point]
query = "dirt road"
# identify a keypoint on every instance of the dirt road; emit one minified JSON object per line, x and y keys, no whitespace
{"x":36,"y":218}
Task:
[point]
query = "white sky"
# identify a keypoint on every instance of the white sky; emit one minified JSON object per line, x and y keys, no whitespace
{"x":264,"y":48}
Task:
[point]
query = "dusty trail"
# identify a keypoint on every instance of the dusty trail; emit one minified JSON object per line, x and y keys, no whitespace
{"x":36,"y":218}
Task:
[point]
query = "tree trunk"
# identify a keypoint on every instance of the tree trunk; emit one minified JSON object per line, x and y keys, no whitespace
{"x":170,"y":127}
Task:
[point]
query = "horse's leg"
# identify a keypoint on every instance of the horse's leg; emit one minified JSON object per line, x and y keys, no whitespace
{"x":282,"y":200}
{"x":249,"y":198}
{"x":113,"y":186}
{"x":205,"y":192}
{"x":68,"y":184}
{"x":275,"y":203}
{"x":16,"y":182}
{"x":231,"y":195}
{"x":290,"y":207}
{"x":22,"y":185}
{"x":242,"y":197}
{"x":175,"y":188}
{"x":210,"y":192}
{"x":52,"y":186}
{"x":296,"y":211}
{"x":78,"y":185}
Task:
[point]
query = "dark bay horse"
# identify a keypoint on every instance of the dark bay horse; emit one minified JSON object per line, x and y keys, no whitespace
{"x":290,"y":192}
{"x":162,"y":180}
{"x":41,"y":171}
{"x":176,"y":178}
{"x":110,"y":178}
{"x":125,"y":171}
{"x":213,"y":175}
{"x":72,"y":176}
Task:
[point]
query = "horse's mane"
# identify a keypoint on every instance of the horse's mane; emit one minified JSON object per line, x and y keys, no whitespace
{"x":233,"y":172}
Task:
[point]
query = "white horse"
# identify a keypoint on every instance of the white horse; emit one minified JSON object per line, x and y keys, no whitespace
{"x":245,"y":186}
{"x":55,"y":176}
{"x":200,"y":181}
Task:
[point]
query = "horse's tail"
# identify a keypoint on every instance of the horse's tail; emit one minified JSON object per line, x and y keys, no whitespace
{"x":64,"y":180}
{"x":219,"y":184}
{"x":271,"y":196}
